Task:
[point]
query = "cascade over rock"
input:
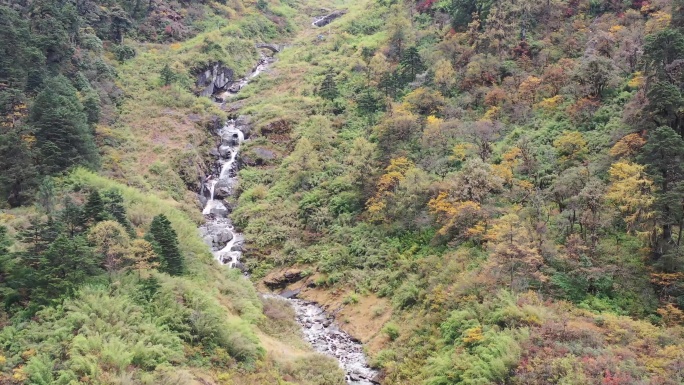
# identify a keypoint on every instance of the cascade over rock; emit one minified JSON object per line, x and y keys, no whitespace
{"x":227,"y":244}
{"x":214,"y":79}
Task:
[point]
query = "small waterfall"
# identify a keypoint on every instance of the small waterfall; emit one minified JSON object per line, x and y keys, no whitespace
{"x":318,"y":327}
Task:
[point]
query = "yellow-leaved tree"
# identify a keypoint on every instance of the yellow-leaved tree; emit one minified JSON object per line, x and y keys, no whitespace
{"x":386,"y":186}
{"x":630,"y":192}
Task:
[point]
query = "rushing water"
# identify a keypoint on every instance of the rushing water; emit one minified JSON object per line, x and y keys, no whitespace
{"x":218,"y":231}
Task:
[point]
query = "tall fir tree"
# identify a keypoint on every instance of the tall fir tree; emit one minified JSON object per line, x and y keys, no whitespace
{"x":663,"y":156}
{"x":114,"y":206}
{"x":71,"y":217}
{"x":19,"y":175}
{"x":411,"y":64}
{"x":328,"y":89}
{"x":94,"y":209}
{"x":63,"y":136}
{"x":163,"y":237}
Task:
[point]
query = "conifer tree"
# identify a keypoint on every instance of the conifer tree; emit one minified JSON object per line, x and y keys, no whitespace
{"x":19,"y":175}
{"x":63,"y":136}
{"x":662,"y":155}
{"x":94,"y":209}
{"x":71,"y":217}
{"x":113,"y":202}
{"x":163,"y":237}
{"x":167,"y":75}
{"x":328,"y":88}
{"x":411,"y":64}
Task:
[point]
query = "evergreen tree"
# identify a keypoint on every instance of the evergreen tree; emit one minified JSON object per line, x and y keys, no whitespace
{"x":164,"y":239}
{"x":262,"y":5}
{"x":678,"y":15}
{"x":114,"y":206}
{"x":91,"y":106}
{"x":46,"y":195}
{"x":39,"y":235}
{"x":19,"y":175}
{"x":71,"y":217}
{"x":167,"y":75}
{"x":328,"y":89}
{"x":462,"y":11}
{"x":663,"y":156}
{"x":368,"y":104}
{"x":411,"y":64}
{"x":63,"y":267}
{"x":390,"y":83}
{"x":94,"y":209}
{"x":64,"y":138}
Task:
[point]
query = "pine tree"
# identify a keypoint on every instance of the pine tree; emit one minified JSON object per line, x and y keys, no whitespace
{"x":389,"y":83}
{"x":678,"y":15}
{"x":411,"y":64}
{"x":368,"y":104}
{"x":328,"y":88}
{"x":71,"y":217}
{"x":94,"y":209}
{"x":165,"y":241}
{"x":167,"y":75}
{"x":46,"y":195}
{"x":39,"y":235}
{"x":64,"y":266}
{"x":113,"y":202}
{"x":63,"y":136}
{"x":663,"y":155}
{"x":19,"y":176}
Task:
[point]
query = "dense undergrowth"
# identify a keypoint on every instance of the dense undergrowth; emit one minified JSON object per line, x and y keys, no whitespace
{"x":506,"y":173}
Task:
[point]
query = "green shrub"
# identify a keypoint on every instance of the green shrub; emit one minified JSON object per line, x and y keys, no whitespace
{"x":391,"y":330}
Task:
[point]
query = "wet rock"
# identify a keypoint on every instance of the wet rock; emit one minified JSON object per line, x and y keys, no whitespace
{"x":219,"y":211}
{"x":224,"y":151}
{"x":244,"y":124}
{"x":290,"y":293}
{"x":213,"y":78}
{"x":214,"y":152}
{"x":223,"y":189}
{"x":283,"y":279}
{"x":325,"y":20}
{"x":327,"y":338}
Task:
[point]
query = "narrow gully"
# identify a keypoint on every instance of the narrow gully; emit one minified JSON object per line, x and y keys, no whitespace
{"x":318,"y":327}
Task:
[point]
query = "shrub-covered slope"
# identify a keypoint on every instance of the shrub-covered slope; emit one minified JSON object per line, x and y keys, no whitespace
{"x":508,"y":174}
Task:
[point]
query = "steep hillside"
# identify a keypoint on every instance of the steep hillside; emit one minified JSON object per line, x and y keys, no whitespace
{"x":482,"y":192}
{"x":104,"y":141}
{"x":496,"y":182}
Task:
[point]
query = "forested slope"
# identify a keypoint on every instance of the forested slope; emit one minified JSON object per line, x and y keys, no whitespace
{"x":488,"y":191}
{"x":104,"y":278}
{"x":505,"y":176}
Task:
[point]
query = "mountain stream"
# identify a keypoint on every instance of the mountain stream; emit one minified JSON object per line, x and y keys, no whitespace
{"x":318,"y":327}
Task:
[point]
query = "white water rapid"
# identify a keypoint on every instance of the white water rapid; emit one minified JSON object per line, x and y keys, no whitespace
{"x":226,"y":243}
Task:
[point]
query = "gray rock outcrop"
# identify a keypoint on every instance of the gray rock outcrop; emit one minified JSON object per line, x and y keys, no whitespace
{"x":213,"y":79}
{"x":327,"y":19}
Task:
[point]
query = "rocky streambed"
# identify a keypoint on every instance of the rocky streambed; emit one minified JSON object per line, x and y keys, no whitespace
{"x":226,"y":243}
{"x":323,"y":333}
